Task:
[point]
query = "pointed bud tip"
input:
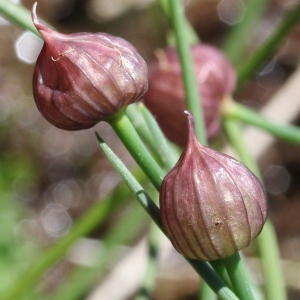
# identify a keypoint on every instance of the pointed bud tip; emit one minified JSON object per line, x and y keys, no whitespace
{"x":33,"y":14}
{"x":39,"y":26}
{"x":190,"y":118}
{"x":191,"y":125}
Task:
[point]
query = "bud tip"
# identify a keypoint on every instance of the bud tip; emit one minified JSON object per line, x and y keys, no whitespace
{"x":191,"y":124}
{"x":33,"y":14}
{"x":39,"y":26}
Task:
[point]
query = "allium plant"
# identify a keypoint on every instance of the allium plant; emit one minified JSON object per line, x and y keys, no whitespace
{"x":212,"y":205}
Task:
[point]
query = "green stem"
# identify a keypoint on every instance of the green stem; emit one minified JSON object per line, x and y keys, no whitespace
{"x":191,"y":34}
{"x":163,"y":148}
{"x":138,"y":122}
{"x":269,"y":251}
{"x":215,"y":283}
{"x":249,"y":116}
{"x":127,"y":134}
{"x":188,"y":73}
{"x":18,"y":15}
{"x":246,"y":70}
{"x":270,"y":258}
{"x":160,"y":148}
{"x":235,"y":270}
{"x":234,"y":133}
{"x":164,"y":4}
{"x":219,"y":267}
{"x":146,"y":202}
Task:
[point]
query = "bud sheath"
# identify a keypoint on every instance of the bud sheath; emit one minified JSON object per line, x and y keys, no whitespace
{"x":83,"y":78}
{"x":166,"y":99}
{"x":211,"y":205}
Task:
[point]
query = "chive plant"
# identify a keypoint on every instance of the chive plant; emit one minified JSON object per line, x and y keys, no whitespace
{"x":69,"y":96}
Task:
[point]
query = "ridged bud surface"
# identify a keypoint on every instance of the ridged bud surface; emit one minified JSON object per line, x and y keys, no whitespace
{"x":166,"y":98}
{"x":211,"y":204}
{"x":83,"y":78}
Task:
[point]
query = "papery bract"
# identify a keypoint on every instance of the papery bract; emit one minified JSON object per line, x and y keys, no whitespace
{"x":211,"y":204}
{"x":83,"y":78}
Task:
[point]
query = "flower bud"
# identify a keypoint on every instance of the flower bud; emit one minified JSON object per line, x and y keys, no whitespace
{"x":165,"y":98}
{"x":83,"y":78}
{"x":211,"y":204}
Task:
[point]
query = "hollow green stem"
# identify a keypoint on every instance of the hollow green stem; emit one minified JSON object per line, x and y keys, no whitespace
{"x":192,"y":94}
{"x":219,"y":267}
{"x":268,"y":48}
{"x":270,"y":260}
{"x":235,"y":270}
{"x":247,"y":115}
{"x":164,"y":4}
{"x":163,"y":148}
{"x":191,"y":34}
{"x":234,"y":133}
{"x":269,"y":251}
{"x":143,"y":198}
{"x":18,"y":15}
{"x":127,"y":134}
{"x":214,"y":282}
{"x":142,"y":129}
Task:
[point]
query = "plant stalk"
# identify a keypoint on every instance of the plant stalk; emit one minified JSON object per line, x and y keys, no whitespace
{"x":239,"y":112}
{"x":269,"y":252}
{"x":192,"y":94}
{"x":127,"y":134}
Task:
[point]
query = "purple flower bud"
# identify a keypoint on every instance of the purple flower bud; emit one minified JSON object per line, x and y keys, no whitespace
{"x":211,"y":204}
{"x":83,"y":78}
{"x":165,"y":98}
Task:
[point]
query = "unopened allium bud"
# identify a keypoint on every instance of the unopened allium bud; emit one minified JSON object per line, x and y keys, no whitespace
{"x":166,"y":98}
{"x":211,"y":204}
{"x":83,"y":78}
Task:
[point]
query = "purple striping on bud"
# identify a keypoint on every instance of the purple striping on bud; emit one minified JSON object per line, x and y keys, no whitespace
{"x":211,"y":204}
{"x":165,"y":97}
{"x":83,"y":78}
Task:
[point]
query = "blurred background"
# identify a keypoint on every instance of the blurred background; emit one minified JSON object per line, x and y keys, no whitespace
{"x":50,"y":177}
